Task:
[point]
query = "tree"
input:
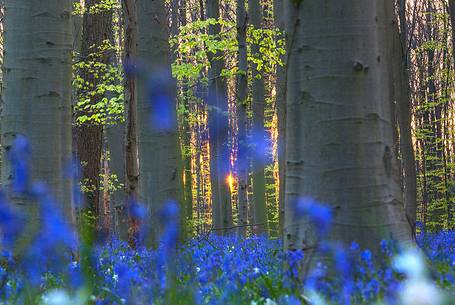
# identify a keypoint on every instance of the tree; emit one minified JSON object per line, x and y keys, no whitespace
{"x":37,"y":96}
{"x":452,"y":19}
{"x":242,"y":108}
{"x":403,"y":98}
{"x":258,"y":134}
{"x":97,"y":36}
{"x":159,"y":154}
{"x":281,"y":113}
{"x":218,"y":124}
{"x":178,"y":18}
{"x":340,"y":135}
{"x":131,"y":147}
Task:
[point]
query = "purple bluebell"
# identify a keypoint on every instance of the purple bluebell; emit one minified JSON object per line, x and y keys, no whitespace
{"x":319,"y":214}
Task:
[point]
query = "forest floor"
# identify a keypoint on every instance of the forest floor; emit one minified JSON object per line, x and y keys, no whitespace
{"x":232,"y":270}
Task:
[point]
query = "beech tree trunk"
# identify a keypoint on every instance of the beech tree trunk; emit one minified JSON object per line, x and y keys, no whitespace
{"x":452,"y":19}
{"x":260,"y":206}
{"x":340,"y":138}
{"x":97,"y":29}
{"x":178,"y":18}
{"x":219,"y":128}
{"x":242,"y":107}
{"x":281,"y":113}
{"x":159,"y":153}
{"x":37,"y":96}
{"x":125,"y":219}
{"x":116,"y":146}
{"x":403,"y":99}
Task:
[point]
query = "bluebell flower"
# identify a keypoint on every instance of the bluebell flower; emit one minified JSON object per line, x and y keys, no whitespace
{"x":260,"y":145}
{"x":162,"y":101}
{"x":137,"y":210}
{"x":19,"y":156}
{"x":170,"y":212}
{"x":319,"y":214}
{"x":354,"y":246}
{"x":12,"y":224}
{"x":169,"y":216}
{"x":131,"y":67}
{"x":73,"y":171}
{"x":366,"y":256}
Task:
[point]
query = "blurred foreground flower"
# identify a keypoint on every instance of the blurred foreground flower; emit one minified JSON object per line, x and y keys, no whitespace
{"x":320,"y":215}
{"x":417,"y":289}
{"x":61,"y":297}
{"x":19,"y":156}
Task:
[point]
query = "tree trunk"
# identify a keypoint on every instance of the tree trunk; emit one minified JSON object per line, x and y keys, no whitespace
{"x":452,"y":19}
{"x":258,"y":134}
{"x":159,"y":152}
{"x":219,"y":128}
{"x":242,"y":121}
{"x":281,"y":113}
{"x":97,"y":29}
{"x":116,"y":146}
{"x":403,"y":99}
{"x":126,"y":219}
{"x":37,"y":97}
{"x":340,"y":143}
{"x":179,"y":18}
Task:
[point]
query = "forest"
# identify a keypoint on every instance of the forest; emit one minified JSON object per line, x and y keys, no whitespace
{"x":258,"y":152}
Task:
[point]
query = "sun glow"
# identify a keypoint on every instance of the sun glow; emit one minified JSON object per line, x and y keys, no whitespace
{"x":230,"y":180}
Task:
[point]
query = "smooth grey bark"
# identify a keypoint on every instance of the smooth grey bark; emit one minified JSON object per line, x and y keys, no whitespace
{"x":242,"y":119}
{"x":339,"y":140}
{"x":281,"y":112}
{"x":178,"y":18}
{"x":131,"y":146}
{"x":188,"y":173}
{"x":77,"y":30}
{"x":88,"y":136}
{"x":258,"y":163}
{"x":18,"y":75}
{"x":37,"y":97}
{"x":2,"y":11}
{"x":403,"y":100}
{"x":450,"y":209}
{"x":116,"y":143}
{"x":159,"y":152}
{"x":219,"y":128}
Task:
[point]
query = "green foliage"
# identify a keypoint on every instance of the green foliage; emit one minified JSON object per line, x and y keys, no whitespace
{"x":270,"y":52}
{"x":110,"y":180}
{"x":193,"y":46}
{"x":100,"y":97}
{"x":97,"y":8}
{"x":437,"y":187}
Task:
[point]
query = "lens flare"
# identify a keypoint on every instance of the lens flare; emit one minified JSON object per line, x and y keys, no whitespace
{"x":230,"y":180}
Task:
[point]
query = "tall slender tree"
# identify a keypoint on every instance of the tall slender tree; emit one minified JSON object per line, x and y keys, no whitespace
{"x":159,"y":153}
{"x":281,"y":111}
{"x":452,"y":21}
{"x":340,"y":136}
{"x":450,"y":208}
{"x":37,"y":96}
{"x":97,"y":36}
{"x":179,"y":19}
{"x":131,"y":147}
{"x":255,"y":14}
{"x":242,"y":108}
{"x":403,"y":98}
{"x":219,"y":128}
